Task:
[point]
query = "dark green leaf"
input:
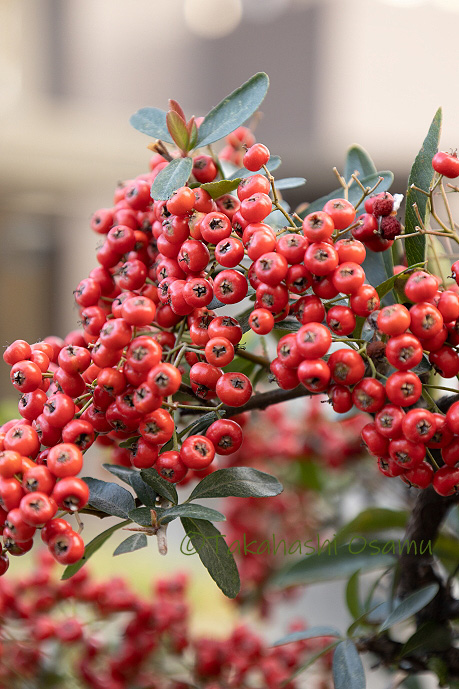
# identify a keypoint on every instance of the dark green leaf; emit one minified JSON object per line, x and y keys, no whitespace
{"x":376,"y":269}
{"x":410,"y":606}
{"x":223,"y":186}
{"x":273,"y":163}
{"x":288,"y":325}
{"x":233,"y":110}
{"x":109,"y":497}
{"x":439,"y":667}
{"x":336,"y":562}
{"x":290,"y":182}
{"x":91,"y":548}
{"x":130,"y":442}
{"x":134,"y":542}
{"x":348,"y":672}
{"x":358,"y":160}
{"x":421,"y":175}
{"x":214,"y":554}
{"x":151,"y":121}
{"x":240,"y":482}
{"x":171,"y":178}
{"x":177,"y":130}
{"x":355,"y":192}
{"x":352,"y":596}
{"x":142,"y":515}
{"x":310,"y":633}
{"x":373,"y":519}
{"x":159,"y":484}
{"x":310,"y":475}
{"x":200,"y":426}
{"x":192,"y":512}
{"x":132,"y":478}
{"x":431,"y":636}
{"x":143,"y":491}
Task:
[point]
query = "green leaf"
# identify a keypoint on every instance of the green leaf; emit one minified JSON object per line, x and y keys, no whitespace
{"x":367,"y":617}
{"x":373,"y":519}
{"x":290,"y":182}
{"x":358,"y":160}
{"x":239,"y":482}
{"x":131,"y":543}
{"x":171,"y":178}
{"x":310,"y":633}
{"x":352,"y":596}
{"x":142,"y":515}
{"x":421,"y":175}
{"x":109,"y":497}
{"x":273,"y":163}
{"x":431,"y":636}
{"x":355,"y":192}
{"x":199,"y":427}
{"x":310,"y":475}
{"x":92,"y":548}
{"x":159,"y":484}
{"x":410,"y":606}
{"x":214,"y":554}
{"x":223,"y":186}
{"x":177,"y":130}
{"x":151,"y":121}
{"x":233,"y":110}
{"x":132,"y":478}
{"x":335,"y":562}
{"x":348,"y":672}
{"x":130,"y":442}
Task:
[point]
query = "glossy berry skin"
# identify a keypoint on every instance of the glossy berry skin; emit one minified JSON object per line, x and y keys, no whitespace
{"x":388,"y":421}
{"x":369,"y":395}
{"x":394,"y":319}
{"x":405,"y":453}
{"x":346,"y":366}
{"x":341,"y":320}
{"x":318,"y":226}
{"x":320,"y":258}
{"x":65,"y":459}
{"x":261,"y":321}
{"x":421,"y":286}
{"x":404,"y":351}
{"x":313,"y":340}
{"x":66,"y":547}
{"x":230,"y":286}
{"x":341,"y":398}
{"x":170,"y":466}
{"x":225,"y":435}
{"x":348,"y":277}
{"x":341,"y":211}
{"x":446,"y":480}
{"x":234,"y":389}
{"x":37,"y":508}
{"x":197,"y":452}
{"x":426,"y":320}
{"x":403,"y":388}
{"x":419,"y":425}
{"x":314,"y":374}
{"x":256,"y":156}
{"x":446,"y":164}
{"x":364,"y":301}
{"x":377,"y":443}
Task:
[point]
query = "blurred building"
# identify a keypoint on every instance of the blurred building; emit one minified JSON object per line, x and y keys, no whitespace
{"x":72,"y":72}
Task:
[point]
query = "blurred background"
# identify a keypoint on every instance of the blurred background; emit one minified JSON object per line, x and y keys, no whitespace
{"x":371,"y":72}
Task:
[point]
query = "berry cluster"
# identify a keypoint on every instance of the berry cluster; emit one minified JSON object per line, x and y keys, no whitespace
{"x":144,"y":643}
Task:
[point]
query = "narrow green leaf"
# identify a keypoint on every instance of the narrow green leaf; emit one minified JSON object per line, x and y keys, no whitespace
{"x":177,"y":130}
{"x":151,"y":121}
{"x":365,"y":617}
{"x":109,"y":497}
{"x":131,"y":543}
{"x":123,"y":473}
{"x":410,"y":606}
{"x":290,"y":183}
{"x":233,"y":110}
{"x":431,"y":636}
{"x":348,"y":672}
{"x":358,"y":160}
{"x":214,"y":554}
{"x":92,"y":548}
{"x":171,"y":178}
{"x":421,"y":175}
{"x":130,"y":442}
{"x":159,"y":484}
{"x":355,"y":192}
{"x":310,"y":633}
{"x":353,"y":596}
{"x":273,"y":163}
{"x":240,"y":482}
{"x":200,"y":426}
{"x":372,"y":520}
{"x":336,"y":562}
{"x":222,"y":186}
